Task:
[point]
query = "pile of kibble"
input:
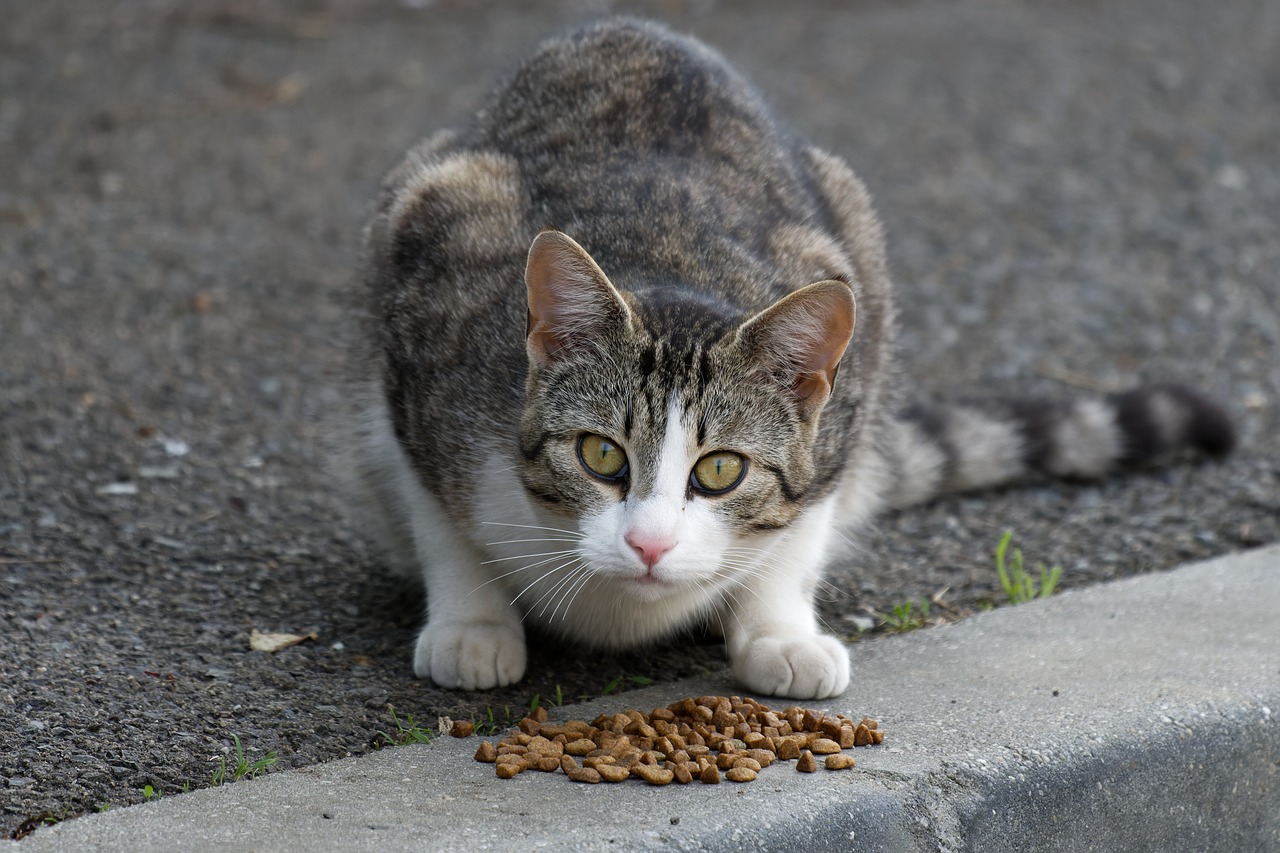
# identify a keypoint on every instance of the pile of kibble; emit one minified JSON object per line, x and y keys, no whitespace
{"x":687,"y":740}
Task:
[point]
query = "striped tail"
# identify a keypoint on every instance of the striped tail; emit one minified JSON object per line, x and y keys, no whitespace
{"x":948,"y":448}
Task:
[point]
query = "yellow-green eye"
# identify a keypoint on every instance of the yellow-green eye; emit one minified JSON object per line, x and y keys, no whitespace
{"x":719,"y":472}
{"x":602,"y":457}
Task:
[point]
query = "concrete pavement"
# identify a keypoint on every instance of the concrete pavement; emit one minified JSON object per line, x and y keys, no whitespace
{"x":1136,"y":715}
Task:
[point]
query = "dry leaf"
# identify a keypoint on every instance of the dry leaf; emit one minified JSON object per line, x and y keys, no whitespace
{"x":260,"y":641}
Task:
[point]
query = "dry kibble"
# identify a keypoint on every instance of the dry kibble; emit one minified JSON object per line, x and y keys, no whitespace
{"x":788,"y":749}
{"x":612,"y":772}
{"x":584,"y":774}
{"x":462,"y":728}
{"x":830,"y":727}
{"x":582,"y":746}
{"x":689,"y":739}
{"x":653,"y":774}
{"x":824,"y":746}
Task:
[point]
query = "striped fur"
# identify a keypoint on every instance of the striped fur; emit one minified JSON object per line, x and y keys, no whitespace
{"x":623,"y":273}
{"x":950,"y":448}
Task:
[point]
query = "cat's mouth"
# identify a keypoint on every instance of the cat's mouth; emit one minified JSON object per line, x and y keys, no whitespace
{"x":650,"y":586}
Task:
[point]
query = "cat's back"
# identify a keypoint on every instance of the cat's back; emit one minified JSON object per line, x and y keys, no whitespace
{"x":648,"y":147}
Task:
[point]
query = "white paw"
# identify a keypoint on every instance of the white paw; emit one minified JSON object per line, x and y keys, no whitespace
{"x":811,"y":666}
{"x":470,"y":655}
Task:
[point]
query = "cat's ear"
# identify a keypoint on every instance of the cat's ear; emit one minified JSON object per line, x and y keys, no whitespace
{"x":798,"y":341}
{"x":572,"y":305}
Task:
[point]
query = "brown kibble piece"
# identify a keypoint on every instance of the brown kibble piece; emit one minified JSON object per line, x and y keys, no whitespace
{"x":539,"y":714}
{"x":847,"y":738}
{"x":581,"y":746}
{"x":529,"y":726}
{"x":508,"y":770}
{"x":839,"y":761}
{"x":584,"y":774}
{"x":683,"y":772}
{"x":788,"y":748}
{"x":612,"y":772}
{"x":486,"y":753}
{"x":807,"y":763}
{"x":862,"y":735}
{"x":709,"y":775}
{"x":749,"y":763}
{"x":462,"y":728}
{"x":653,"y":774}
{"x":824,"y":746}
{"x":741,"y":774}
{"x":764,"y":756}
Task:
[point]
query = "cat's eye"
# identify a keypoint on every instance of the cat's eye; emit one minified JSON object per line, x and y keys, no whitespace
{"x":602,"y":457}
{"x":717,"y":473}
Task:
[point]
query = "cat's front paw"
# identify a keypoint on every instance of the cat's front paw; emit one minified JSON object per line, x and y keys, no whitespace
{"x":470,"y":655}
{"x":810,"y":666}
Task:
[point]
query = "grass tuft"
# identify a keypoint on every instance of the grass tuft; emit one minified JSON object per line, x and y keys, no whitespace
{"x":1019,"y":585}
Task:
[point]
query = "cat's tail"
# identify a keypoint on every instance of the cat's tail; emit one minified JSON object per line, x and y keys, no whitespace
{"x":934,"y":449}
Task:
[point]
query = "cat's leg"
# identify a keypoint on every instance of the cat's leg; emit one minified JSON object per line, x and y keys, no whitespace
{"x":473,"y":638}
{"x":770,"y":626}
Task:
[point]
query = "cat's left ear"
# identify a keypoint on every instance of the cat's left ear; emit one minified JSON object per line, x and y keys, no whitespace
{"x":800,"y":339}
{"x":572,"y":304}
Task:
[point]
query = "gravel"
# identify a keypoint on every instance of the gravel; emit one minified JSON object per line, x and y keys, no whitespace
{"x":1072,"y":192}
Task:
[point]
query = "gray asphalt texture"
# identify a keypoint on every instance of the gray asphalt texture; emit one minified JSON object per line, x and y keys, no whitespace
{"x":1075,"y":195}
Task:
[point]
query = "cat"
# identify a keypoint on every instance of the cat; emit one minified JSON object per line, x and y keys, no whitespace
{"x":627,"y":369}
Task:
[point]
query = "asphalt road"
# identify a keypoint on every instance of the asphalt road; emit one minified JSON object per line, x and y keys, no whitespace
{"x":1075,"y":194}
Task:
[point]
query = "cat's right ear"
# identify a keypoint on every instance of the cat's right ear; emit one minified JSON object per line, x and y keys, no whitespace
{"x":572,"y":305}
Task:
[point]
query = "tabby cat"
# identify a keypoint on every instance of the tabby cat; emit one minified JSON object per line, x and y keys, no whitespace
{"x":628,"y":369}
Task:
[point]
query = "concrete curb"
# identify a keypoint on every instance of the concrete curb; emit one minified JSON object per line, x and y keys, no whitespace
{"x":1137,"y":715}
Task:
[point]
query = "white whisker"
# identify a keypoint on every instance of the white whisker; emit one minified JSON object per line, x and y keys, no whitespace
{"x":588,"y":576}
{"x":528,"y":556}
{"x":575,"y":533}
{"x":543,"y":577}
{"x":551,"y":594}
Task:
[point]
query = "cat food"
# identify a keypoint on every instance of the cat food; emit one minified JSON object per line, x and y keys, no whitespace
{"x":687,"y":740}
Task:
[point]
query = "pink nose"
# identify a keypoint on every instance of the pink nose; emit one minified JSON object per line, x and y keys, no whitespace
{"x":650,"y":548}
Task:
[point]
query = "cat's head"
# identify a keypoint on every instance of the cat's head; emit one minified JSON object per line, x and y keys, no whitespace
{"x":677,"y":435}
